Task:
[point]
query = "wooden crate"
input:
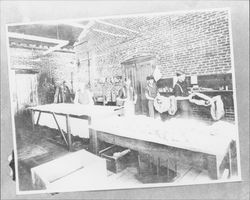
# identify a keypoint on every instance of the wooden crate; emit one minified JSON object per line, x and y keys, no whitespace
{"x":115,"y":163}
{"x":154,"y":170}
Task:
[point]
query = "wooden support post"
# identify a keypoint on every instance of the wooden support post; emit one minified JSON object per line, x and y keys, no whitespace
{"x":175,"y":168}
{"x":149,"y":162}
{"x":59,"y":128}
{"x":158,"y":167}
{"x":32,"y":113}
{"x":94,"y":142}
{"x":139,"y":163}
{"x":167,"y":170}
{"x":212,"y":167}
{"x":89,"y":120}
{"x":230,"y":160}
{"x":38,"y":118}
{"x":69,"y":132}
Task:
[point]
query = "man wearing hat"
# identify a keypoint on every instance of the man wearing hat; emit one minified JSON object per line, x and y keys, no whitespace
{"x":181,"y":93}
{"x":180,"y":88}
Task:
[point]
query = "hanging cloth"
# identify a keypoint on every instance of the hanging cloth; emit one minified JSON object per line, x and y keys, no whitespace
{"x":217,"y":108}
{"x":173,"y":105}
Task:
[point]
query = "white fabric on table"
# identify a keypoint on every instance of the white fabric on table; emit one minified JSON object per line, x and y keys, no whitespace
{"x":79,"y":127}
{"x":187,"y":134}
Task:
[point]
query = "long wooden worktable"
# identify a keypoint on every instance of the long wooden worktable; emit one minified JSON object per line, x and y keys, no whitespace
{"x":61,"y":116}
{"x":205,"y":146}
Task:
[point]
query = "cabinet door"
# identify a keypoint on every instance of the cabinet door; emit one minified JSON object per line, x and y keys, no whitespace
{"x":137,"y":73}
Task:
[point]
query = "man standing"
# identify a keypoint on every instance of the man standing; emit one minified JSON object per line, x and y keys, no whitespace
{"x":150,"y":94}
{"x":127,"y":98}
{"x":181,"y":93}
{"x":62,"y":94}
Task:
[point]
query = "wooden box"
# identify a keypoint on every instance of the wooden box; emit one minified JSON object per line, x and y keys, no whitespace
{"x":154,"y":170}
{"x":74,"y":171}
{"x":116,"y":158}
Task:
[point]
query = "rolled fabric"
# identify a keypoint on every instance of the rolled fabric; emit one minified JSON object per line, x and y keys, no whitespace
{"x":162,"y":104}
{"x":217,"y":108}
{"x":216,"y":104}
{"x":203,"y":100}
{"x":173,"y":105}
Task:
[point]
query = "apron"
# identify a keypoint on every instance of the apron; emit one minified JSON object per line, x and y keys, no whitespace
{"x":129,"y":106}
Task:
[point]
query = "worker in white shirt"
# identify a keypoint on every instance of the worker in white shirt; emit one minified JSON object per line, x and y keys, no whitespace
{"x":84,"y":95}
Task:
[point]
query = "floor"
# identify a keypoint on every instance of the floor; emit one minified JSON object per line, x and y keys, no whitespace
{"x":45,"y":144}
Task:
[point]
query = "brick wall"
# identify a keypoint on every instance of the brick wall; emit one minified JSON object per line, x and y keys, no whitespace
{"x":195,"y":42}
{"x":56,"y":65}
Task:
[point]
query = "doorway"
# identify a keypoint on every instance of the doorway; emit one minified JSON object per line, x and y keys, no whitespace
{"x":137,"y":69}
{"x":24,"y":90}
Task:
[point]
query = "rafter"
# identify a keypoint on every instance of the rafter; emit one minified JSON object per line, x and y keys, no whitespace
{"x":59,"y":43}
{"x":86,"y":29}
{"x":57,"y":47}
{"x":116,"y":26}
{"x":75,"y":24}
{"x":108,"y":33}
{"x":35,"y":38}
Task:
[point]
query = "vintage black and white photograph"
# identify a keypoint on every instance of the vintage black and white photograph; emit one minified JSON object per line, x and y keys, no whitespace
{"x":116,"y":102}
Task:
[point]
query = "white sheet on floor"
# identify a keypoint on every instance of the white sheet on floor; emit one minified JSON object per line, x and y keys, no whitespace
{"x":79,"y":127}
{"x":74,"y":171}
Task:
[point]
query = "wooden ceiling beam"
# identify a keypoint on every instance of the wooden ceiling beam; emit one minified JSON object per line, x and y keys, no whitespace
{"x":57,"y":47}
{"x":108,"y":33}
{"x":85,"y":31}
{"x":116,"y":26}
{"x":35,"y":38}
{"x":59,"y":43}
{"x":74,"y":24}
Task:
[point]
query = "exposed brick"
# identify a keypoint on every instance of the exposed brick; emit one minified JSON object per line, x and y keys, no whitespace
{"x":56,"y":65}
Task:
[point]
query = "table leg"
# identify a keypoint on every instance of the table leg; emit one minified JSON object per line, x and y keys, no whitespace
{"x":32,"y":113}
{"x":230,"y":160}
{"x":89,"y":123}
{"x":53,"y":114}
{"x":158,"y":167}
{"x":149,"y":163}
{"x":38,"y":118}
{"x":69,"y":132}
{"x":212,"y":167}
{"x":89,"y":120}
{"x":139,"y":163}
{"x":175,"y":168}
{"x":94,"y":142}
{"x":167,"y":169}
